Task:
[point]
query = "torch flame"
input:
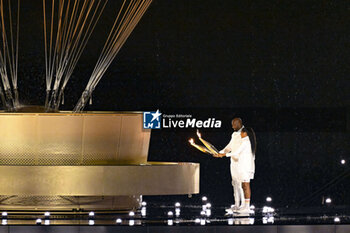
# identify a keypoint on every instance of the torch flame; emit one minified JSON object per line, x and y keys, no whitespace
{"x":198,"y":133}
{"x":191,"y":141}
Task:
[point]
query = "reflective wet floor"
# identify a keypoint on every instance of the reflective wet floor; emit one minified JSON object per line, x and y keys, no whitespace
{"x":199,"y":213}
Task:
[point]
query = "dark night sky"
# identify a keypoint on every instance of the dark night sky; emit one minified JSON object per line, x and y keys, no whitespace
{"x":219,"y":56}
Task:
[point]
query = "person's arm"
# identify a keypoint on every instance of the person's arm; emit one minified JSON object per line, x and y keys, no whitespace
{"x":235,"y":154}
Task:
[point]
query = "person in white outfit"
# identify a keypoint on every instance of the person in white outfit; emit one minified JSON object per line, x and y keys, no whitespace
{"x":245,"y":169}
{"x":242,"y":165}
{"x":233,"y":145}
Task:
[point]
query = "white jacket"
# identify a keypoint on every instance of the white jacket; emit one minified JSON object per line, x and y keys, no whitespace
{"x":244,"y":155}
{"x":234,"y":143}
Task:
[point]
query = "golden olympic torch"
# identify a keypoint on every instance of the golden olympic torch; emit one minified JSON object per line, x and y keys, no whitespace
{"x":201,"y":148}
{"x":207,"y":144}
{"x":209,"y":148}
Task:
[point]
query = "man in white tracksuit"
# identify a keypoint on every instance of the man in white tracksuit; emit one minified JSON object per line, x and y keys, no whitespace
{"x":245,"y":158}
{"x":242,"y":164}
{"x":232,"y":146}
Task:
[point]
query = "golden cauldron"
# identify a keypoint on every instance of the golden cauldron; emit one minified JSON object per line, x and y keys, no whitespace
{"x":91,"y":160}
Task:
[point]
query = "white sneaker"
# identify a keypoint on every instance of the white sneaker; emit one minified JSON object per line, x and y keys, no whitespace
{"x":232,"y":209}
{"x":236,"y":209}
{"x":244,"y":210}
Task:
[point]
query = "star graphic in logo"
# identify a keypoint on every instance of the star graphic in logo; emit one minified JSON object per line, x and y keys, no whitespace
{"x":156,"y":115}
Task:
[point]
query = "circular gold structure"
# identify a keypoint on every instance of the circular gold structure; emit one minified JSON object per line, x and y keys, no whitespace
{"x":93,"y":160}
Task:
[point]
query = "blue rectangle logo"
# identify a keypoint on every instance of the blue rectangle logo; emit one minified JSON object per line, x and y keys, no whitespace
{"x":151,"y":120}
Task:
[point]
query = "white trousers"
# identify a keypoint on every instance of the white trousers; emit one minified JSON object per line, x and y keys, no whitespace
{"x":237,"y":185}
{"x":238,"y":193}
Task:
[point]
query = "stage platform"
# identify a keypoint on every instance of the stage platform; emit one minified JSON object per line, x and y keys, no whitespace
{"x":196,"y":214}
{"x":180,"y":229}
